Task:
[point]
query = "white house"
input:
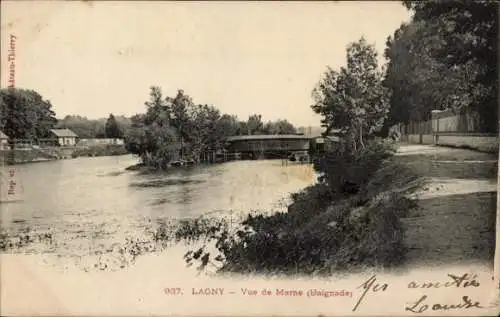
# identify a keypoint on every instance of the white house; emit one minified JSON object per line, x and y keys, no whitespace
{"x":65,"y":137}
{"x":4,"y":141}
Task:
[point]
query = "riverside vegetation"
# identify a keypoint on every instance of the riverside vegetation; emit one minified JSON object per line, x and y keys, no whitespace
{"x":351,"y":218}
{"x":175,"y":128}
{"x":443,"y":58}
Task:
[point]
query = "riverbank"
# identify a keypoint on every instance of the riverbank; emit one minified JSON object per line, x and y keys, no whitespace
{"x":35,"y":154}
{"x":349,"y":221}
{"x":397,"y":210}
{"x":88,"y":230}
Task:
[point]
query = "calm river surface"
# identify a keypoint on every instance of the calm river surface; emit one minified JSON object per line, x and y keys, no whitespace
{"x":89,"y":205}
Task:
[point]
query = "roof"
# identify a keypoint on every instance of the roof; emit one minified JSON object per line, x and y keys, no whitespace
{"x":3,"y":135}
{"x":268,"y":137}
{"x":64,"y":133}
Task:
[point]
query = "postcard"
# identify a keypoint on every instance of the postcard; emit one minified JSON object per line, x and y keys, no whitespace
{"x":242,"y":158}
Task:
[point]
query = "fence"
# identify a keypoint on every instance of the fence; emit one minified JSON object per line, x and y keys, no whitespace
{"x":450,"y":129}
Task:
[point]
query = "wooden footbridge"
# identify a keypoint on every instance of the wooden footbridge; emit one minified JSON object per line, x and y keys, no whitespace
{"x":268,"y":146}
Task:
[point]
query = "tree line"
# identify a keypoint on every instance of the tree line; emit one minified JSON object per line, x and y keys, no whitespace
{"x":444,"y":58}
{"x":170,"y":127}
{"x":176,"y":127}
{"x":25,"y":114}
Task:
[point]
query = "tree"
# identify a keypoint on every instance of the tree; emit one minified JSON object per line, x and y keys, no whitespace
{"x":204,"y":134}
{"x":280,"y":126}
{"x":353,"y":99}
{"x":88,"y":128}
{"x":174,"y":128}
{"x":228,"y":126}
{"x":180,"y":109}
{"x":151,"y":136}
{"x":419,"y":83}
{"x":24,"y":114}
{"x":468,"y":33}
{"x":112,"y":130}
{"x":255,"y":124}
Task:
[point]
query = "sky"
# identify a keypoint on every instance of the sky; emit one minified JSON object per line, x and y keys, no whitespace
{"x":96,"y":58}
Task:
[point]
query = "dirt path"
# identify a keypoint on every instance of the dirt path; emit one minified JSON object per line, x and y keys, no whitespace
{"x":456,"y":221}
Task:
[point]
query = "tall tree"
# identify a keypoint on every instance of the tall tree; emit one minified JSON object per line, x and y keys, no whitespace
{"x":228,"y":125}
{"x":24,"y":114}
{"x":353,"y":99}
{"x":468,"y":31}
{"x":112,"y":129}
{"x":420,"y":83}
{"x":151,"y":136}
{"x":255,"y":124}
{"x":181,"y":108}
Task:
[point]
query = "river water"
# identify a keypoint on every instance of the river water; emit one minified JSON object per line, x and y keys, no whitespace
{"x":86,"y":207}
{"x":90,"y":205}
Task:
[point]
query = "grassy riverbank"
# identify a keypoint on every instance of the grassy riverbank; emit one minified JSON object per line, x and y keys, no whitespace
{"x":350,"y":220}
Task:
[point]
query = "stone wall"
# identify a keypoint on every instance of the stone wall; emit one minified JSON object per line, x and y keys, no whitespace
{"x":485,"y":143}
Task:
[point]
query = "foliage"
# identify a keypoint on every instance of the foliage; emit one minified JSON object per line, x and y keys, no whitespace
{"x":353,"y":98}
{"x":112,"y":129}
{"x":254,"y":124}
{"x":321,"y":232}
{"x":92,"y":128}
{"x":82,"y":126}
{"x":279,"y":127}
{"x":24,"y":114}
{"x":176,"y":127}
{"x":445,"y":58}
{"x":346,"y":171}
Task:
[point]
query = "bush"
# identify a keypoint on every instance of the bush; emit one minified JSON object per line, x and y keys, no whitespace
{"x":326,"y":228}
{"x":345,"y":171}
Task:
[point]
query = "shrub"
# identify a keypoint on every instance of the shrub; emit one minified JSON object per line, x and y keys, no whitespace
{"x":326,"y":228}
{"x":346,"y":171}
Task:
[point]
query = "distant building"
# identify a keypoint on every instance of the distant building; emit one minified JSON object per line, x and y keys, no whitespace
{"x":4,"y":141}
{"x":65,"y":137}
